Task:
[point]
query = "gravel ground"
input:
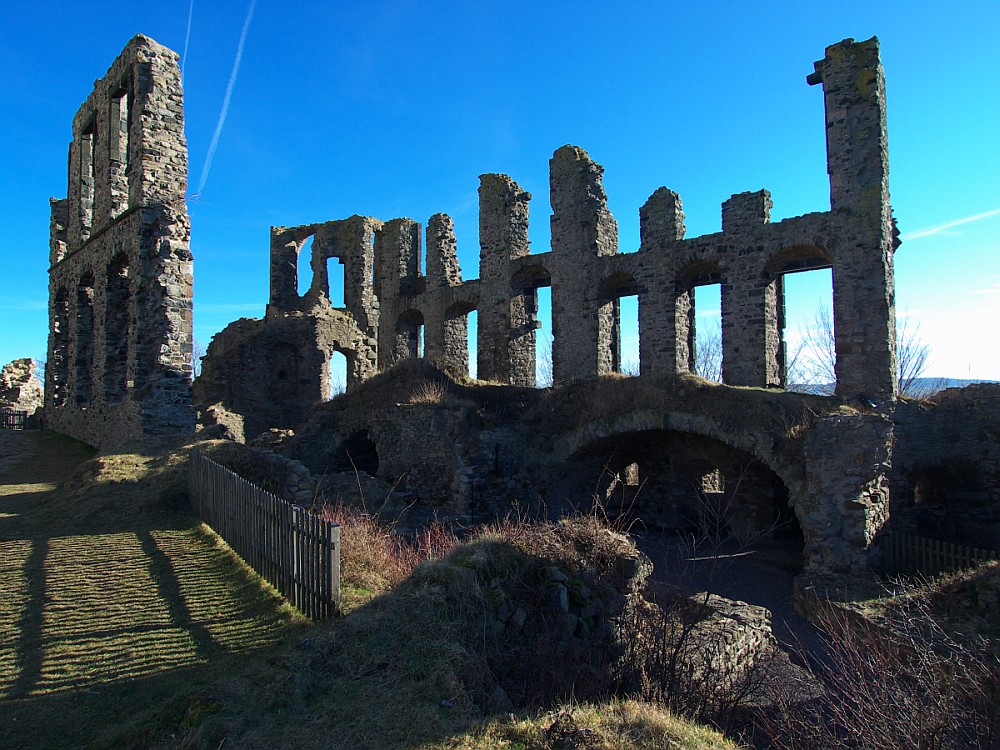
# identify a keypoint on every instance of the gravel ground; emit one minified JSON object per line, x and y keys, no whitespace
{"x":759,"y":575}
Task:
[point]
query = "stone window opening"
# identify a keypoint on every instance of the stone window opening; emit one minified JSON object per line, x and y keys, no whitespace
{"x":806,"y":353}
{"x":472,"y":342}
{"x":119,"y":146}
{"x":117,"y":319}
{"x":544,"y":337}
{"x":84,"y":362}
{"x":458,"y":354}
{"x":336,"y":284}
{"x":620,"y":341}
{"x":304,"y":272}
{"x":58,"y":365}
{"x":409,"y":336}
{"x":87,"y":154}
{"x":529,"y":349}
{"x":706,"y":328}
{"x":337,"y":369}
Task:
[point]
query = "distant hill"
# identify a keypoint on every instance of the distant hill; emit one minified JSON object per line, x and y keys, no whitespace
{"x":921,"y":386}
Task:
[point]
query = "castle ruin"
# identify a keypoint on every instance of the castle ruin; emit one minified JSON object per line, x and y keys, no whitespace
{"x":120,"y":338}
{"x":120,"y":275}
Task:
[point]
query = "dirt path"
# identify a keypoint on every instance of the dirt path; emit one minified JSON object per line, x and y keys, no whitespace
{"x":745,"y":575}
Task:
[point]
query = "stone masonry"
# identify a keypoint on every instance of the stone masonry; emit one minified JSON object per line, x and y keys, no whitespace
{"x":20,"y":388}
{"x":120,"y":335}
{"x":393,"y":308}
{"x":120,"y":271}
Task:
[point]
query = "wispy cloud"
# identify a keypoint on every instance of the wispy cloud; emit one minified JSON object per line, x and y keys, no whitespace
{"x":993,"y":288}
{"x":187,"y":38}
{"x":225,"y":102}
{"x":916,"y":234}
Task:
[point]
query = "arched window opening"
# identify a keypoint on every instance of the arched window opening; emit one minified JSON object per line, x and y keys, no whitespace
{"x":628,"y":334}
{"x":119,"y":127}
{"x":529,"y":348}
{"x":805,"y":318}
{"x":409,"y":336}
{"x":335,"y":282}
{"x":544,"y":337}
{"x":84,"y":340}
{"x":304,"y":272}
{"x":338,"y":373}
{"x":88,"y":188}
{"x":117,"y":318}
{"x":619,"y":325}
{"x":707,"y":336}
{"x":472,"y":341}
{"x":58,"y":365}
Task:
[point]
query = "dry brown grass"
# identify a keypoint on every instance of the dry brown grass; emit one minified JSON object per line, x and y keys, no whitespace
{"x":615,"y":725}
{"x":429,"y":392}
{"x":138,"y":629}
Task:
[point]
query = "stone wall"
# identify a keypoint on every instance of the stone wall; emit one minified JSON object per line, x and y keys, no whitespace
{"x":120,"y":276}
{"x":945,"y":482}
{"x":20,"y":387}
{"x":400,"y":312}
{"x":665,"y":451}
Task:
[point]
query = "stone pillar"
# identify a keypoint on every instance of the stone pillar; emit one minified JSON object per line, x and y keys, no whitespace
{"x":583,"y":230}
{"x":446,"y":334}
{"x":352,"y":241}
{"x":664,"y":323}
{"x":857,"y":160}
{"x":442,"y":253}
{"x":397,"y":272}
{"x":751,"y":339}
{"x":503,"y":237}
{"x":848,"y":460}
{"x":58,"y":222}
{"x":284,"y":271}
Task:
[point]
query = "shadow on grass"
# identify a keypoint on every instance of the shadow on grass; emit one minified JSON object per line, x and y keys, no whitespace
{"x":110,"y":602}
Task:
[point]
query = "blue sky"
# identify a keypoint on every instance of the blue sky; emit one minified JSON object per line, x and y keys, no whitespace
{"x":394,"y":109}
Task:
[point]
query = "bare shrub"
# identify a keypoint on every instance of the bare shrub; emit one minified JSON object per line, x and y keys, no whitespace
{"x":429,"y":392}
{"x":702,"y":656}
{"x":708,"y":351}
{"x":373,"y":557}
{"x":694,"y":656}
{"x":910,"y":685}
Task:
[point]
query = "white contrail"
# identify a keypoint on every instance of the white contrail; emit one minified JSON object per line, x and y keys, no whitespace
{"x":916,"y":234}
{"x":187,"y":38}
{"x":225,"y":102}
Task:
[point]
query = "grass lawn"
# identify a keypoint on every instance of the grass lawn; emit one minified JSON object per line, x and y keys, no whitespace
{"x":110,"y":606}
{"x":125,"y":623}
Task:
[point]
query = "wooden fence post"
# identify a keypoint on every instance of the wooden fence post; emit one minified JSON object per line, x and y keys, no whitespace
{"x":295,"y":551}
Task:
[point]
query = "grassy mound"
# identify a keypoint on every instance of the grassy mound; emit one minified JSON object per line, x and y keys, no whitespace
{"x":485,"y":648}
{"x":128,"y":624}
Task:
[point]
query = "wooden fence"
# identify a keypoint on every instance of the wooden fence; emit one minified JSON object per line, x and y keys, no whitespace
{"x":906,"y":554}
{"x":294,"y":550}
{"x":12,"y":419}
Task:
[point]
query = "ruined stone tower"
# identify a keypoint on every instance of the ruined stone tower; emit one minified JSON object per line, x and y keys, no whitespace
{"x":120,"y":270}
